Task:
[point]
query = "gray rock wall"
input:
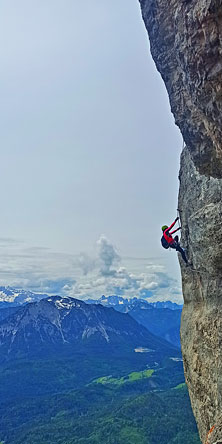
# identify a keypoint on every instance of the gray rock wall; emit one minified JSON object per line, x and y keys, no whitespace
{"x":186,"y":44}
{"x":201,"y":325}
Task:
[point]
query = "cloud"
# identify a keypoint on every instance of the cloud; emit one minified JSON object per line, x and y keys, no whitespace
{"x":104,"y":275}
{"x":52,"y":286}
{"x":84,"y":276}
{"x":155,"y":268}
{"x":35,"y":268}
{"x":108,"y":256}
{"x":150,"y":286}
{"x":86,"y":263}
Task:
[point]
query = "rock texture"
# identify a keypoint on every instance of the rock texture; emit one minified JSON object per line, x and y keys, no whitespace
{"x":186,"y":44}
{"x":201,"y":326}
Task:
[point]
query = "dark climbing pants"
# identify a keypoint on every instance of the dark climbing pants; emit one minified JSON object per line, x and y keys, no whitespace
{"x":177,"y":247}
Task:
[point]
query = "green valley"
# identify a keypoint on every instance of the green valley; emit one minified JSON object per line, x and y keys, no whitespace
{"x":98,"y":414}
{"x":130,"y":407}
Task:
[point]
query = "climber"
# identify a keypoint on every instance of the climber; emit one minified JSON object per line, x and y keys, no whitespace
{"x":168,"y":241}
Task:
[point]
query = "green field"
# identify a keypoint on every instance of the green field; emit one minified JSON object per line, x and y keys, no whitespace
{"x":134,"y":376}
{"x":180,"y":386}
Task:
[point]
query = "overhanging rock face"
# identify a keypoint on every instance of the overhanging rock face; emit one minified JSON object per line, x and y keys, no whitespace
{"x":186,"y":44}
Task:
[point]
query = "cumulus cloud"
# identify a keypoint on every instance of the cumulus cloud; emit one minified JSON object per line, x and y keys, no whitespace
{"x":150,"y":285}
{"x":108,"y":256}
{"x":86,"y":263}
{"x":104,"y":275}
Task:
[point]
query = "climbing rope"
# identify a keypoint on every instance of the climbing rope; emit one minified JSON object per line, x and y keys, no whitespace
{"x":209,"y":433}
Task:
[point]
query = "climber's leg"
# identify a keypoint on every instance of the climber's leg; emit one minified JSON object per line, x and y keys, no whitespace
{"x":183,"y":254}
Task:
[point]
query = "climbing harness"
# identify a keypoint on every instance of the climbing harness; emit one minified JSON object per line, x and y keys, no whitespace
{"x":209,"y":433}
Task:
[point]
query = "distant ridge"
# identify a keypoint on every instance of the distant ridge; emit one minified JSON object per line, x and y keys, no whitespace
{"x":13,"y":297}
{"x":10,"y":296}
{"x":67,"y":325}
{"x":115,"y":301}
{"x":160,"y":318}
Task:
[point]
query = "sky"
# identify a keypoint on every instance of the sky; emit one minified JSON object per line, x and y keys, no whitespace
{"x":89,"y":153}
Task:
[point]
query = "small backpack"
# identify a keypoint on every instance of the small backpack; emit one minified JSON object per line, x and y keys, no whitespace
{"x":164,"y":243}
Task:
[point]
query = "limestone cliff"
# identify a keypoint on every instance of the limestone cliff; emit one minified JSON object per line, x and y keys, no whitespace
{"x":186,"y":44}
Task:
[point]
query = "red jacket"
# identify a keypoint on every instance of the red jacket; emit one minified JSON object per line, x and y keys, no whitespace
{"x":168,"y":236}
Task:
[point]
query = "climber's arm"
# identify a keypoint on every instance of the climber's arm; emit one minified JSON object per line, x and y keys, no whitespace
{"x":174,"y":231}
{"x":172,"y":225}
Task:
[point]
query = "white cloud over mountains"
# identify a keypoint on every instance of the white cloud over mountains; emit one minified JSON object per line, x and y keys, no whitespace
{"x":108,"y":277}
{"x":84,"y":276}
{"x":108,"y":256}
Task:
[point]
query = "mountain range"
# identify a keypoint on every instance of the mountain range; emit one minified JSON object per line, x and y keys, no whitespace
{"x":13,"y":297}
{"x":71,"y":370}
{"x":160,"y":318}
{"x":67,"y":325}
{"x":126,"y":304}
